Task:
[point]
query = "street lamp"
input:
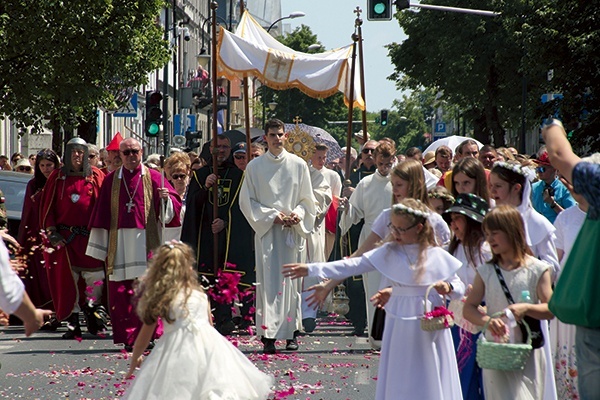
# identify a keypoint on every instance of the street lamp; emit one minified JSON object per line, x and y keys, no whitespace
{"x":295,"y":14}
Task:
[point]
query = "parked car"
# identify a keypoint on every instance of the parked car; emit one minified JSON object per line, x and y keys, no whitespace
{"x":13,"y":185}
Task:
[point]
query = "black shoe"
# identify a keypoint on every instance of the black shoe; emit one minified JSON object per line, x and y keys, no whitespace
{"x":151,"y":345}
{"x":73,"y":327}
{"x":269,"y":346}
{"x":291,"y":344}
{"x":102,"y":319}
{"x":309,"y":324}
{"x":128,"y":348}
{"x":51,"y":326}
{"x":226,"y":327}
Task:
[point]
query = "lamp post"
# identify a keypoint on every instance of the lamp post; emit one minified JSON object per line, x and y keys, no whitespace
{"x":295,"y":14}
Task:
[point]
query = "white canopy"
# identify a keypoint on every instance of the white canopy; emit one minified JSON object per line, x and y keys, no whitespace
{"x":251,"y":51}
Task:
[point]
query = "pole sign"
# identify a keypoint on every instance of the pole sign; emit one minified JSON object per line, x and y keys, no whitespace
{"x":130,"y":109}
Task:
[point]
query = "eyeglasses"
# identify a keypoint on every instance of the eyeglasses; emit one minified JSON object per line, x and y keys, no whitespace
{"x":129,"y":152}
{"x":24,"y":169}
{"x":240,"y":156}
{"x":367,"y":151}
{"x":540,"y":170}
{"x":394,"y":230}
{"x":178,"y":176}
{"x":92,"y":156}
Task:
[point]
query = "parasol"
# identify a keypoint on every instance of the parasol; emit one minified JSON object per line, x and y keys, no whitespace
{"x":450,"y":141}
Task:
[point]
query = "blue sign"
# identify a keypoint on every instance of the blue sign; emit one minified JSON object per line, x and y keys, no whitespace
{"x":546,"y":97}
{"x":440,"y":127}
{"x":191,"y":124}
{"x":130,"y":109}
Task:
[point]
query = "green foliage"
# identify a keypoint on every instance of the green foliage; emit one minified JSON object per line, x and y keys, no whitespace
{"x":482,"y":63}
{"x":562,"y":36}
{"x":61,"y":60}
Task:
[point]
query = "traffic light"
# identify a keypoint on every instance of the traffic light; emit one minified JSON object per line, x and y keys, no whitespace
{"x":402,"y":4}
{"x":153,"y":113}
{"x":379,"y":10}
{"x":383,"y":117}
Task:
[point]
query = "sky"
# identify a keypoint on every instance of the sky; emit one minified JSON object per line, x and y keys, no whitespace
{"x":333,"y":23}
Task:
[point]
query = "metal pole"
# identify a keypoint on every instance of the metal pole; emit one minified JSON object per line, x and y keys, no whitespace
{"x":175,"y":57}
{"x":484,"y":13}
{"x":215,"y":191}
{"x":165,"y":105}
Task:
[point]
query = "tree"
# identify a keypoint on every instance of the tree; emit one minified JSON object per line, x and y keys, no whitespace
{"x":477,"y":65}
{"x":561,"y":41}
{"x":60,"y":61}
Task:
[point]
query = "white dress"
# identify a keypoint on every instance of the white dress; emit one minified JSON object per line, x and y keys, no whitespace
{"x":562,"y":336}
{"x":528,"y":384}
{"x":193,"y":361}
{"x":414,"y":364}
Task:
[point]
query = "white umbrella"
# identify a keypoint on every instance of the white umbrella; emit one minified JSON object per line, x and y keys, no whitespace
{"x":450,"y":141}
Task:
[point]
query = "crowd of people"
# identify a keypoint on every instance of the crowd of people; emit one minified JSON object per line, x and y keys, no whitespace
{"x":491,"y":231}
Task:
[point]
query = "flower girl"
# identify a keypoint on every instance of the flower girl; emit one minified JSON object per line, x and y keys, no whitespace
{"x":191,"y":360}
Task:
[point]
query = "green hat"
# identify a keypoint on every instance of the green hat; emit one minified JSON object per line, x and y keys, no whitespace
{"x":469,"y":205}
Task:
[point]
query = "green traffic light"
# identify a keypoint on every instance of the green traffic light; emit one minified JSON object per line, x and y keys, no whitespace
{"x":383,"y":123}
{"x":153,"y":129}
{"x":379,"y":8}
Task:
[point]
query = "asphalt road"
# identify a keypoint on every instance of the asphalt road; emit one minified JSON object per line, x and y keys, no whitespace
{"x":330,"y":364}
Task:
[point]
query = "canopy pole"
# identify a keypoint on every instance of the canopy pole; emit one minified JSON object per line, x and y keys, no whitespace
{"x":215,"y":191}
{"x":350,"y":108}
{"x":358,"y":23}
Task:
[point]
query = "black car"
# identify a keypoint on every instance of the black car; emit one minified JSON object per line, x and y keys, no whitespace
{"x":13,"y":185}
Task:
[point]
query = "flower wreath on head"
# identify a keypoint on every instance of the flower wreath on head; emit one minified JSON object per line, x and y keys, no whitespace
{"x":441,"y":195}
{"x":527,"y":172}
{"x":411,"y":211}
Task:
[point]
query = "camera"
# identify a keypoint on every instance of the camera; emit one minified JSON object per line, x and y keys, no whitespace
{"x":550,"y":191}
{"x":186,"y":34}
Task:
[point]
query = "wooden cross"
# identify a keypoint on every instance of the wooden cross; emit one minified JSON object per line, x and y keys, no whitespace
{"x":297,"y":120}
{"x":129,"y":205}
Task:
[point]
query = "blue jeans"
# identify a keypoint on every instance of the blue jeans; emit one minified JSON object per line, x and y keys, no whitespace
{"x":587,"y":349}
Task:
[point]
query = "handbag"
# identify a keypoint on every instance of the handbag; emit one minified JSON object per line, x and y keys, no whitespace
{"x":378,"y":324}
{"x":537,"y":338}
{"x":575,"y":299}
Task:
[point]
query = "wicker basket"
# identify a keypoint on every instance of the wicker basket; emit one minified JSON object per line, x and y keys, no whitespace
{"x":437,"y":323}
{"x":503,"y":356}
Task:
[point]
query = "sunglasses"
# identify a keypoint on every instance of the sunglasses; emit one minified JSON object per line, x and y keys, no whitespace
{"x":129,"y":152}
{"x":24,"y":169}
{"x":178,"y":176}
{"x":540,"y":169}
{"x":239,"y":156}
{"x":92,"y":156}
{"x":367,"y":151}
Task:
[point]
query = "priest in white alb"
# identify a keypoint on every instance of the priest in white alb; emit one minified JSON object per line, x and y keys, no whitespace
{"x":277,"y":200}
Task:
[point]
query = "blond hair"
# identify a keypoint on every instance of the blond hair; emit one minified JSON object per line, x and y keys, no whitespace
{"x":411,"y":171}
{"x":170,"y":272}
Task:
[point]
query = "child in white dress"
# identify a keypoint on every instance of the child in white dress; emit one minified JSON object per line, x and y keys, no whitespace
{"x":505,"y":233}
{"x":191,"y":360}
{"x":414,"y":364}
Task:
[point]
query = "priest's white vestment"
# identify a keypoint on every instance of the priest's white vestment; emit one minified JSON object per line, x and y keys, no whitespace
{"x":275,"y":184}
